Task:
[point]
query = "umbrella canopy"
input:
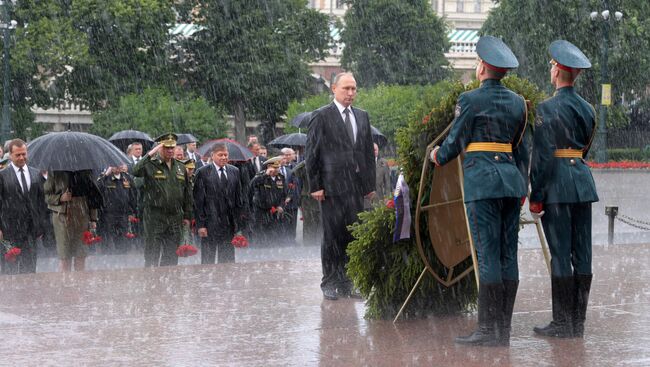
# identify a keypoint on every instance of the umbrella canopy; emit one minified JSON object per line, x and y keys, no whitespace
{"x":236,"y":151}
{"x":186,"y":139}
{"x":74,"y":151}
{"x":289,"y":140}
{"x":301,"y":120}
{"x":122,"y":139}
{"x":377,"y":137}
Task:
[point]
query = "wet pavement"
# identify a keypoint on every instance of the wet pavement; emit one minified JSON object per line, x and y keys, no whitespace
{"x":272,"y":313}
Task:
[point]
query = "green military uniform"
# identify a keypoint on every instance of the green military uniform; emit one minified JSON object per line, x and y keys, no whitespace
{"x":311,"y":231}
{"x":562,"y":184}
{"x":167,"y":200}
{"x":489,"y":125}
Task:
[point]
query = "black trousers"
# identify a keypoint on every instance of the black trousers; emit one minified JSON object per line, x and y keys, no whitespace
{"x":218,"y":246}
{"x":337,"y":212}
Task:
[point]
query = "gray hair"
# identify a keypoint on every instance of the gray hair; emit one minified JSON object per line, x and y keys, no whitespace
{"x":338,"y":77}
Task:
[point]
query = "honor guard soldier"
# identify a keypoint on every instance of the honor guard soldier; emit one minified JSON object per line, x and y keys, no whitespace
{"x":269,"y":193}
{"x":563,"y":189}
{"x":167,"y":201}
{"x":488,"y":127}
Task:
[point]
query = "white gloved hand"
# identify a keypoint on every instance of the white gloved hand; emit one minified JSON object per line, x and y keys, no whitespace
{"x":537,"y":216}
{"x":432,"y":155}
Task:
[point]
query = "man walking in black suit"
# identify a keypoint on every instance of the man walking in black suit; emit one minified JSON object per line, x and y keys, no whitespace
{"x":22,"y":208}
{"x":341,"y":172}
{"x":218,"y":206}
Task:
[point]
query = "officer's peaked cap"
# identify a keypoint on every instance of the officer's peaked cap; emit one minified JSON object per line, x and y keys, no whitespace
{"x":495,"y":52}
{"x":567,"y":54}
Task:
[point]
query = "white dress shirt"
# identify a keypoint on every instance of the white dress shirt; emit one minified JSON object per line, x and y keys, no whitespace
{"x":353,"y":120}
{"x":27,"y":177}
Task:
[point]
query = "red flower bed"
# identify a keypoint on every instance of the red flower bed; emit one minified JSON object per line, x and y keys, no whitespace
{"x":620,"y":165}
{"x":390,"y":204}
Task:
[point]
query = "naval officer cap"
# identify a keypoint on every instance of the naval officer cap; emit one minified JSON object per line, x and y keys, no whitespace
{"x":167,"y":140}
{"x":273,"y":162}
{"x":567,"y":56}
{"x":495,"y":54}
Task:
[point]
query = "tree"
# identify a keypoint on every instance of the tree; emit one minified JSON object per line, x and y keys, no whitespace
{"x":156,"y":111}
{"x":252,"y":55}
{"x":394,"y":42}
{"x":538,"y":23}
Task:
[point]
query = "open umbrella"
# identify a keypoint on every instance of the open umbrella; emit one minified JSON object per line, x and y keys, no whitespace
{"x":236,"y":151}
{"x":377,"y":137}
{"x":186,"y":139}
{"x":74,"y":151}
{"x":301,"y":120}
{"x":122,"y":139}
{"x":289,"y":140}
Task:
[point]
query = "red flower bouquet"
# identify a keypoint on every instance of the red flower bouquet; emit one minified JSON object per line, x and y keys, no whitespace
{"x":273,"y":210}
{"x":130,"y":235}
{"x":134,"y":220}
{"x":90,"y":237}
{"x":239,"y":241}
{"x":390,"y":204}
{"x":12,"y":254}
{"x":186,"y":250}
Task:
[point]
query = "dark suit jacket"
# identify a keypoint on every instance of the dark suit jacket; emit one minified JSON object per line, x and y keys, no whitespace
{"x":332,"y":158}
{"x":218,"y":208}
{"x":21,"y":215}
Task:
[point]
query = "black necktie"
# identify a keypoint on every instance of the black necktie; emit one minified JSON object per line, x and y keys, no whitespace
{"x":222,"y":176}
{"x":23,"y":180}
{"x":348,"y":124}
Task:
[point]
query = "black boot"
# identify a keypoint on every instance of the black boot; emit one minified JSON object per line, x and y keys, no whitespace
{"x":509,"y":295}
{"x":582,"y":288}
{"x":563,"y":294}
{"x":490,"y":297}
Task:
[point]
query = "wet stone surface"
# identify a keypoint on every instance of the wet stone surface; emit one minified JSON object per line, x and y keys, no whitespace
{"x":272,"y":313}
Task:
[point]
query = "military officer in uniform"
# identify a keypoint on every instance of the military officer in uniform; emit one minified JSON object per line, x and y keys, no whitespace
{"x":167,"y":201}
{"x":489,"y":125}
{"x":269,"y":193}
{"x":120,"y":201}
{"x":563,"y":189}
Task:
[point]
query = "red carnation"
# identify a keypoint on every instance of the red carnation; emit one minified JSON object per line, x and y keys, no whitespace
{"x":134,"y":220}
{"x":186,"y":250}
{"x":130,"y":235}
{"x":90,"y":237}
{"x":239,"y":241}
{"x":390,"y":204}
{"x":425,"y":120}
{"x":12,"y":254}
{"x":273,"y":210}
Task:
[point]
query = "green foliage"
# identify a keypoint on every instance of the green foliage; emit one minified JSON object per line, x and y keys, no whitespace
{"x":385,"y":272}
{"x":541,"y":22}
{"x":628,"y":154}
{"x":156,"y":111}
{"x":252,"y":55}
{"x":394,"y":42}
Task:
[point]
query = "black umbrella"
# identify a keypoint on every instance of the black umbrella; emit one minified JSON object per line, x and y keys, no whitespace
{"x":186,"y":139}
{"x":301,"y":120}
{"x":289,"y":140}
{"x":377,"y":137}
{"x":74,"y":151}
{"x":236,"y":151}
{"x":122,"y":139}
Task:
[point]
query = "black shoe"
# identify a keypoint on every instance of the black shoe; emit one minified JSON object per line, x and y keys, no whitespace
{"x":582,"y":288}
{"x":490,"y":301}
{"x":562,"y":325}
{"x":330,"y":294}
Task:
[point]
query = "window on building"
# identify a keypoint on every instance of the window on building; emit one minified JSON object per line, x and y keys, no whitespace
{"x":460,"y":6}
{"x":477,"y":6}
{"x":339,"y":4}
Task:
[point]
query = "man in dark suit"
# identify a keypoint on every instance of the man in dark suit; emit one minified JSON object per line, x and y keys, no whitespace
{"x":22,"y":208}
{"x":341,"y":171}
{"x":218,"y":206}
{"x":193,"y":154}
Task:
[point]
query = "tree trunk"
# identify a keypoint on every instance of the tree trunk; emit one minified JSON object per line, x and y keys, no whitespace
{"x":240,"y":121}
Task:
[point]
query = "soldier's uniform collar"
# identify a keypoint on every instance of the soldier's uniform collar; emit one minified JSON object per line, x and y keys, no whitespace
{"x":489,"y":82}
{"x":564,"y":90}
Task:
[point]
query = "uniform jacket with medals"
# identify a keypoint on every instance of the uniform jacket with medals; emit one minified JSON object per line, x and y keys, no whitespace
{"x":564,"y":121}
{"x":268,"y":193}
{"x":165,"y":190}
{"x":120,"y":197}
{"x":491,"y":113}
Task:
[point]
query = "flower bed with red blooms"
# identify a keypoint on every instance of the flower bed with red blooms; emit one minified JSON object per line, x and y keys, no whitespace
{"x":239,"y":241}
{"x":12,"y":254}
{"x":620,"y":165}
{"x":186,"y":250}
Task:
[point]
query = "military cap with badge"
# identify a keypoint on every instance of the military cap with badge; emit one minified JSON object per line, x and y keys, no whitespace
{"x":495,"y":54}
{"x":167,"y":140}
{"x":274,"y":162}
